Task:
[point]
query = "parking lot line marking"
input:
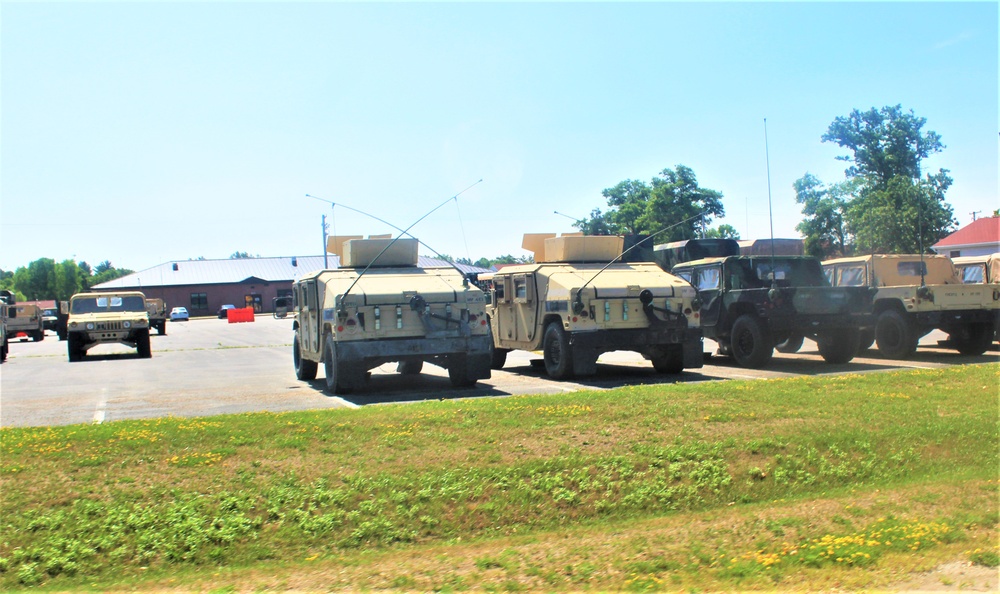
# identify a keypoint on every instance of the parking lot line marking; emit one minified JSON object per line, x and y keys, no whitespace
{"x":102,"y":403}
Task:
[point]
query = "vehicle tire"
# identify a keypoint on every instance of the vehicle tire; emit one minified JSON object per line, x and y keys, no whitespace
{"x":557,"y":354}
{"x":410,"y":367}
{"x":498,"y":356}
{"x":790,"y":345}
{"x":161,"y":328}
{"x":73,"y":348}
{"x":668,"y":358}
{"x":142,"y":344}
{"x":838,"y":346}
{"x":305,"y":370}
{"x":751,"y":342}
{"x":972,"y":339}
{"x":894,"y":336}
{"x":39,"y":336}
{"x":337,"y":381}
{"x":458,"y":372}
{"x":3,"y":350}
{"x":866,"y":340}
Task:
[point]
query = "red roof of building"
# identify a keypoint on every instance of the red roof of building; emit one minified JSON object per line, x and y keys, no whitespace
{"x":984,"y":230}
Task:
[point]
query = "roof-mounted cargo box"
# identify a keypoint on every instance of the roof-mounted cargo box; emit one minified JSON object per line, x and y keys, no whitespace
{"x":355,"y":252}
{"x":762,"y":247}
{"x":573,"y":247}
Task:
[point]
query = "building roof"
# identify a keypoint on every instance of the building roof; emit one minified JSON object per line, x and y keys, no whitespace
{"x":981,"y":231}
{"x":238,"y":270}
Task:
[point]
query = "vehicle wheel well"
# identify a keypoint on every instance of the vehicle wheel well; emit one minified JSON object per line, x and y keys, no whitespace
{"x":886,"y":304}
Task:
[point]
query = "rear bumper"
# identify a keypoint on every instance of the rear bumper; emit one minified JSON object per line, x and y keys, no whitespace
{"x":640,"y":340}
{"x":372,"y":353}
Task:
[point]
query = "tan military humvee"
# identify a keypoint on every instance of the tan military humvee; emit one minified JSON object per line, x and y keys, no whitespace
{"x":973,"y":270}
{"x":575,"y":302}
{"x":919,"y":294}
{"x":157,"y":311}
{"x":27,"y":323}
{"x":379,"y":307}
{"x":101,"y":318}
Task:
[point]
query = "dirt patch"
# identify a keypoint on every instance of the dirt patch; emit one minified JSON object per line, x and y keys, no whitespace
{"x":952,"y":577}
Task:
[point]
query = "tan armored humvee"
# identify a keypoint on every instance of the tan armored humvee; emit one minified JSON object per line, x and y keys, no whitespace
{"x":101,"y":318}
{"x":379,"y":307}
{"x":157,"y":311}
{"x":576,"y":302}
{"x":26,"y":321}
{"x":917,"y":294}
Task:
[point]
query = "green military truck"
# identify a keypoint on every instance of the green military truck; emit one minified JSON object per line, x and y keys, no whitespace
{"x":916,"y":294}
{"x":751,"y":305}
{"x":577,"y":301}
{"x":380,"y":307}
{"x":103,"y":318}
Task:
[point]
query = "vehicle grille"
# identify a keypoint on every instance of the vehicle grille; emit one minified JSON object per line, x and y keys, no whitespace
{"x":109,"y":326}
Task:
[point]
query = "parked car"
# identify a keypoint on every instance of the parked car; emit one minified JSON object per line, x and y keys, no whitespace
{"x":224,"y":310}
{"x":179,"y":313}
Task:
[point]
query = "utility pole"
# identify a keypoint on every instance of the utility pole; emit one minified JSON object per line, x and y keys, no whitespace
{"x":974,"y":213}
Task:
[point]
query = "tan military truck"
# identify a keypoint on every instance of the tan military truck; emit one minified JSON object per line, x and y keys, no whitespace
{"x":380,"y":307}
{"x":102,"y":318}
{"x":915,"y":295}
{"x":26,"y":322}
{"x":576,"y":301}
{"x":6,"y":300}
{"x":157,"y":311}
{"x":985,"y":269}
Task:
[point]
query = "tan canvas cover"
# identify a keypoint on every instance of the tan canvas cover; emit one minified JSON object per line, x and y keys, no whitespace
{"x":359,"y":253}
{"x":904,"y":269}
{"x":988,"y":264}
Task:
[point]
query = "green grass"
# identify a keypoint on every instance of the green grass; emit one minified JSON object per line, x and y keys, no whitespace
{"x":806,"y":482}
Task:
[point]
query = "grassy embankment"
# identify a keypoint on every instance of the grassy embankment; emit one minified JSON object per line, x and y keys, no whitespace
{"x":844,"y":482}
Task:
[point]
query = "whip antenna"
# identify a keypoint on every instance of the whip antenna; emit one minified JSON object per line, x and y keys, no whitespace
{"x":770,"y":213}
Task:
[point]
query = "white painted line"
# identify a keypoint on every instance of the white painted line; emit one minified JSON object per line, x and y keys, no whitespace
{"x":102,"y":404}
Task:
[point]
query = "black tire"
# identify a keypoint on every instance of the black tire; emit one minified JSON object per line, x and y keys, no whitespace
{"x":161,"y":328}
{"x":972,"y":339}
{"x":3,"y":350}
{"x":410,"y":367}
{"x":867,"y":339}
{"x":337,"y":381}
{"x":305,"y":370}
{"x":668,"y":359}
{"x":458,"y":372}
{"x":790,"y":345}
{"x":894,"y":336}
{"x":838,"y":346}
{"x":498,"y":356}
{"x":557,"y":354}
{"x":142,"y":344}
{"x":39,"y":336}
{"x":74,"y":349}
{"x":751,"y":342}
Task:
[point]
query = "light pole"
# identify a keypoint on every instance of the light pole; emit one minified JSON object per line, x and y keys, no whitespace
{"x":326,"y":262}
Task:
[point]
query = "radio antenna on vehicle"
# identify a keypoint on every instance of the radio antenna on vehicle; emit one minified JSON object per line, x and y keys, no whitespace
{"x":395,"y":239}
{"x":351,"y":208}
{"x":578,"y":302}
{"x":770,"y":212}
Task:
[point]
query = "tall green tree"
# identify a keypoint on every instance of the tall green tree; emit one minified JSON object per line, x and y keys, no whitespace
{"x":67,"y":280}
{"x":884,"y":205}
{"x":673,"y":199}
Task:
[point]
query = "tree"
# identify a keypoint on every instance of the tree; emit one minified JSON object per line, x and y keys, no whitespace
{"x":723,"y":232}
{"x":67,"y":280}
{"x":242,"y":256}
{"x":673,"y":200}
{"x":884,"y":205}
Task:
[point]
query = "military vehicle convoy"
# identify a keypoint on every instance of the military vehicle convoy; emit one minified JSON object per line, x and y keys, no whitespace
{"x":26,"y":321}
{"x":379,"y":307}
{"x":576,"y":301}
{"x":753,"y":304}
{"x":917,"y":294}
{"x":102,"y":318}
{"x":157,"y":311}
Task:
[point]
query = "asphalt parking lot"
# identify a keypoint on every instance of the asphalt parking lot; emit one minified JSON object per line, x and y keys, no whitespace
{"x":208,"y":367}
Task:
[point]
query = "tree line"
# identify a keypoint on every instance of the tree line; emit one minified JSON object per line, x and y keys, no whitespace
{"x":45,"y":278}
{"x":885,"y":204}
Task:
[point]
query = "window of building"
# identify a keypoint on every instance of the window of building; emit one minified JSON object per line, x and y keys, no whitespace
{"x":199,"y":300}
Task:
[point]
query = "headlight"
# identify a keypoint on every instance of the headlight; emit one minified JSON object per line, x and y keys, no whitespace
{"x":126,"y":325}
{"x":90,"y":325}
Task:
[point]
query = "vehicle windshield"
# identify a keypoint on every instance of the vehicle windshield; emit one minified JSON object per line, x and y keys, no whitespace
{"x":792,"y":272}
{"x":115,"y":303}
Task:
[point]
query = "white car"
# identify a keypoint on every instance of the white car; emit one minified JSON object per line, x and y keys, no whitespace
{"x":179,"y":313}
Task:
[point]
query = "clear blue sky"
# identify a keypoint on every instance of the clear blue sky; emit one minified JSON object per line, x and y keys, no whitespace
{"x":147,"y":132}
